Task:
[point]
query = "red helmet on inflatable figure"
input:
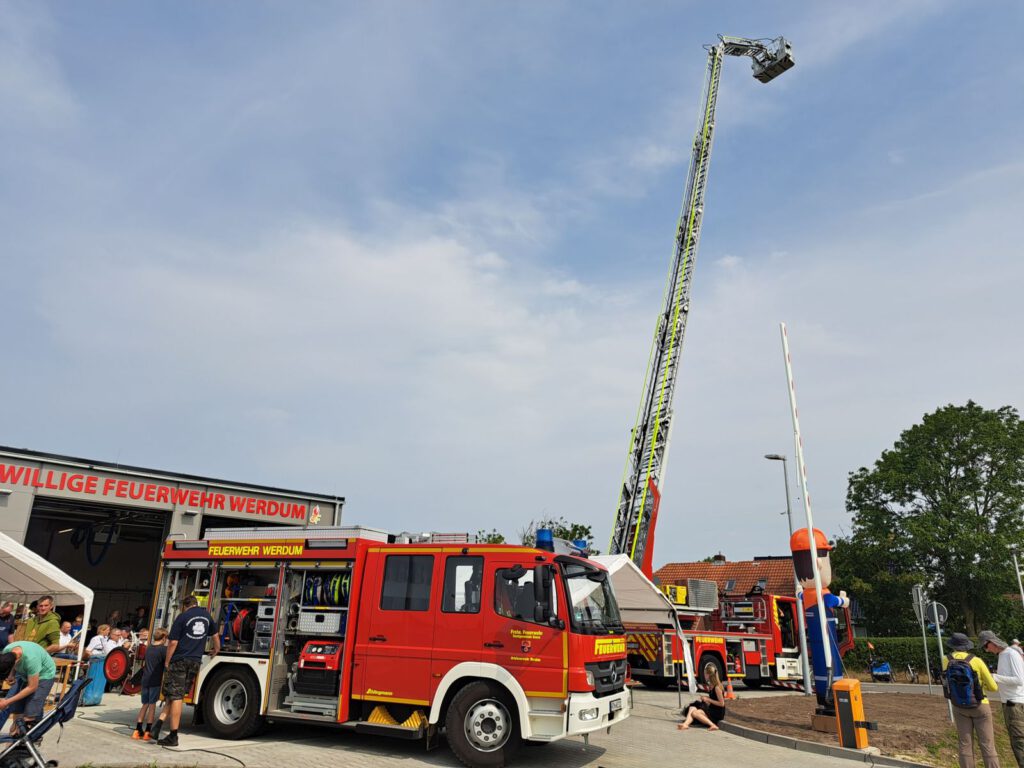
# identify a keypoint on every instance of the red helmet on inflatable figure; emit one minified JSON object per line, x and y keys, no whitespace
{"x":800,"y":542}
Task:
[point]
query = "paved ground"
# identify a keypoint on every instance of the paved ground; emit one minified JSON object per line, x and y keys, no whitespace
{"x":100,"y":737}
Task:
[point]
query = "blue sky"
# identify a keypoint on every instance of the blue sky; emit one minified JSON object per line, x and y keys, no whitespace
{"x":412,"y":253}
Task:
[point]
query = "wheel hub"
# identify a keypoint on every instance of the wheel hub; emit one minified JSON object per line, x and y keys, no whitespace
{"x":488,"y":725}
{"x":230,"y":702}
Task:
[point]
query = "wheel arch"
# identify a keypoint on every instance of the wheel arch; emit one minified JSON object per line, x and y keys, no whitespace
{"x":216,"y":667}
{"x":467,"y":672}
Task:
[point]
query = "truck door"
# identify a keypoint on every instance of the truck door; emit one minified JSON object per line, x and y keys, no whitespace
{"x":393,"y":642}
{"x":458,"y":635}
{"x":534,"y":653}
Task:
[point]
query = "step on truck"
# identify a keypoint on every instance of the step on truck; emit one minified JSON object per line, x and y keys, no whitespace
{"x":488,"y":645}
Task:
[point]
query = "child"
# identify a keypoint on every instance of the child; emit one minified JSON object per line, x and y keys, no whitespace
{"x":152,"y":672}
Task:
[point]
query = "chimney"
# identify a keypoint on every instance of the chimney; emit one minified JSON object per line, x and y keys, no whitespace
{"x":718,"y":559}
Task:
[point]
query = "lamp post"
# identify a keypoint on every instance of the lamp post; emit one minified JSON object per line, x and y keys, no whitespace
{"x":804,"y":657}
{"x":1016,"y":570}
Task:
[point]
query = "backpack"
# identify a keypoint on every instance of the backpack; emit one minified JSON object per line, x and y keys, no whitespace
{"x":960,"y":683}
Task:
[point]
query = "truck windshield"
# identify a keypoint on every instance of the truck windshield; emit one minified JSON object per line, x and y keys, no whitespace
{"x":592,"y":603}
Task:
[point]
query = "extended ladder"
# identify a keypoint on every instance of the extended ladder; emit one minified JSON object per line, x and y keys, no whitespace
{"x":644,"y":475}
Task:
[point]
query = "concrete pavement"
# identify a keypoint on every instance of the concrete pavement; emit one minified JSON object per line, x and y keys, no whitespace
{"x":101,"y":736}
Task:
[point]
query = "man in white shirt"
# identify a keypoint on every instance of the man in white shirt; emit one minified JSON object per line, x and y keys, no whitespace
{"x":1010,"y":677}
{"x":67,"y":650}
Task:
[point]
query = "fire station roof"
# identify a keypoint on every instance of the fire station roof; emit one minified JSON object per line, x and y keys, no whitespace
{"x":775,"y":572}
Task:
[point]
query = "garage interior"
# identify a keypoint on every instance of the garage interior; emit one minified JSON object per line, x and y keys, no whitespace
{"x":114,"y":550}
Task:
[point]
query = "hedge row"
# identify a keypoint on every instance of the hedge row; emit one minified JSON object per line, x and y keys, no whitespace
{"x":898,"y":651}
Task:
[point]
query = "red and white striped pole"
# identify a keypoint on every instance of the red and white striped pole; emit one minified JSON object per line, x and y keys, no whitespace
{"x":822,"y":620}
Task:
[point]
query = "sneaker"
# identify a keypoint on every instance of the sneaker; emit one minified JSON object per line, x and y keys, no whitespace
{"x":155,"y":733}
{"x":147,"y":736}
{"x":170,"y":740}
{"x":136,"y":735}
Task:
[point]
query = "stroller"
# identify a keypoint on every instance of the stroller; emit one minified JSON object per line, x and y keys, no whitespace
{"x":881,"y":671}
{"x":22,"y":751}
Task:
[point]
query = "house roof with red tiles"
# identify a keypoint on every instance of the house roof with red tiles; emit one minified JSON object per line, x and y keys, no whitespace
{"x":744,"y":575}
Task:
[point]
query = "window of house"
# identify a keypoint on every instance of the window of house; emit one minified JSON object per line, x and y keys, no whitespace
{"x":407,"y":582}
{"x":730,"y":585}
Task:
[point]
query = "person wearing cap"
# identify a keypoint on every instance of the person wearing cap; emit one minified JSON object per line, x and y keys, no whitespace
{"x":803,"y":564}
{"x":1009,"y":677}
{"x":976,"y":720}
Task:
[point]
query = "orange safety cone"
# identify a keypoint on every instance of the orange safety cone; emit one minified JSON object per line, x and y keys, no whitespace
{"x":729,"y":692}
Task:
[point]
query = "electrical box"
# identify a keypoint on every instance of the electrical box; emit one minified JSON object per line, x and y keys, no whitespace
{"x":852,"y":728}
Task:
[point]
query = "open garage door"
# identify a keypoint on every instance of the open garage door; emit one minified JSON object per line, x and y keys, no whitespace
{"x":114,"y":550}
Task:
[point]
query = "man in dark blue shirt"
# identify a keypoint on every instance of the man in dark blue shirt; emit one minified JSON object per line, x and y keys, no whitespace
{"x":185,"y":652}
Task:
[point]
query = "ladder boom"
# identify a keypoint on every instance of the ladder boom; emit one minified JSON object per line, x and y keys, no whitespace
{"x":644,"y":475}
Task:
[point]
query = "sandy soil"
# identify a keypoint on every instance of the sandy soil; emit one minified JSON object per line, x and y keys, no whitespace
{"x":911,"y":726}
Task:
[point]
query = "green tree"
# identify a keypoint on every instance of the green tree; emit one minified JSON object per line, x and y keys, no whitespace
{"x":490,"y":537}
{"x":943,"y":506}
{"x":561,"y":528}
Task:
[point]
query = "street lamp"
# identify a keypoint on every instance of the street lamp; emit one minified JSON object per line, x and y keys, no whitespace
{"x":785,"y":476}
{"x":1016,"y":570}
{"x":804,"y":657}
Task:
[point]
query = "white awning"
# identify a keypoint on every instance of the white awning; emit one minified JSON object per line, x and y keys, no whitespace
{"x":25,"y":576}
{"x":641,"y":602}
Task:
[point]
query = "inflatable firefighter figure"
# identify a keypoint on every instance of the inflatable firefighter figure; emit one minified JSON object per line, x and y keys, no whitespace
{"x":801,"y":548}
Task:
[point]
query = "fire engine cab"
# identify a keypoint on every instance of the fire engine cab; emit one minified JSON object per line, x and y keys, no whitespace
{"x":492,"y":645}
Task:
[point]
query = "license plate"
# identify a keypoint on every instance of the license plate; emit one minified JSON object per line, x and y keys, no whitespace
{"x":615,"y":705}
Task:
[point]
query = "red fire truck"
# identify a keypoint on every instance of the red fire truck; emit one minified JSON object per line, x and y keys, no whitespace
{"x":492,"y":645}
{"x":750,"y":638}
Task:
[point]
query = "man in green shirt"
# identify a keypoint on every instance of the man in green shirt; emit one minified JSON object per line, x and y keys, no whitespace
{"x":44,"y":627}
{"x":35,"y":671}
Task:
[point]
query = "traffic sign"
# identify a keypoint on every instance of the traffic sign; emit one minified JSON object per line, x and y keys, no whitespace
{"x":937,"y":612}
{"x":918,"y":595}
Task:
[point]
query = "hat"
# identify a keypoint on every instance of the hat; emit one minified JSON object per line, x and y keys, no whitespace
{"x":799,"y":541}
{"x":958,"y":641}
{"x":987,"y":636}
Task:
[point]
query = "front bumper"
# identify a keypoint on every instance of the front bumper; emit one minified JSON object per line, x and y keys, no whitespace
{"x":587,"y":713}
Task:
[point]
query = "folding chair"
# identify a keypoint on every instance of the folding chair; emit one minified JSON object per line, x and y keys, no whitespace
{"x":22,"y":751}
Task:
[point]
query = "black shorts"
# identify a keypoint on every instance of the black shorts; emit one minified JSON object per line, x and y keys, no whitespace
{"x":178,"y":678}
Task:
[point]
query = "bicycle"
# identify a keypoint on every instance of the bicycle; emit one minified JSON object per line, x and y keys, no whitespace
{"x":912,"y":675}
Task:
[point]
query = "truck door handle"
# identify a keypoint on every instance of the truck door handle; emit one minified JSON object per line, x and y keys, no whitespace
{"x":495,"y":644}
{"x":378,"y":639}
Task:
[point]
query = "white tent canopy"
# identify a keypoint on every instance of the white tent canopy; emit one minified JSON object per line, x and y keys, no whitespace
{"x":25,"y":576}
{"x":641,"y":602}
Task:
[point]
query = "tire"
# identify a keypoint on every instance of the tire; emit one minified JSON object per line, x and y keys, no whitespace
{"x":231,"y":704}
{"x":482,"y":726}
{"x":705,"y":659}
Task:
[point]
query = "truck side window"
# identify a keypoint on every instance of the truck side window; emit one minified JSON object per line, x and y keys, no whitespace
{"x":407,"y":582}
{"x":513,"y":597}
{"x":463,"y":577}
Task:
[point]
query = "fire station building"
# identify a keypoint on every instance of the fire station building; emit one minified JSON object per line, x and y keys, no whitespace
{"x":104,"y":524}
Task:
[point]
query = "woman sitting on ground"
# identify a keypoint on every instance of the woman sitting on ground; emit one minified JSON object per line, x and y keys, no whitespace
{"x":709,"y":710}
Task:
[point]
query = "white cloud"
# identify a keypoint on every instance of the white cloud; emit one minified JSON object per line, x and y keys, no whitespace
{"x":33,"y":88}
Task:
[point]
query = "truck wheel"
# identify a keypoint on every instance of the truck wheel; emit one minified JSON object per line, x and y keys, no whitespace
{"x":482,"y":726}
{"x":231,"y":704}
{"x":714,"y":661}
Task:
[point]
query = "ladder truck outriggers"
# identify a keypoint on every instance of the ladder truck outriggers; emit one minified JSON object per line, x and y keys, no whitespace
{"x":751,"y":636}
{"x":406,"y":636}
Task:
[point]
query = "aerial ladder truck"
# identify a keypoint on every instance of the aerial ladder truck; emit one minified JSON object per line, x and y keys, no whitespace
{"x":746,"y":636}
{"x":644,"y":475}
